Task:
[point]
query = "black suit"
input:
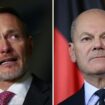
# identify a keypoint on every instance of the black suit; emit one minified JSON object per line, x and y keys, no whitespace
{"x":76,"y":99}
{"x":39,"y":93}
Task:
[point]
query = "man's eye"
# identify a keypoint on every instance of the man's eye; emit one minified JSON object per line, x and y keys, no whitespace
{"x":103,"y":37}
{"x":14,"y":37}
{"x":85,"y":39}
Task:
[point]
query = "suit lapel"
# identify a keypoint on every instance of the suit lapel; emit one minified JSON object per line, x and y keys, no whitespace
{"x":38,"y":93}
{"x":76,"y":99}
{"x":79,"y":97}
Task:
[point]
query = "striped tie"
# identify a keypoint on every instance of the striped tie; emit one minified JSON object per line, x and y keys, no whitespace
{"x":101,"y":94}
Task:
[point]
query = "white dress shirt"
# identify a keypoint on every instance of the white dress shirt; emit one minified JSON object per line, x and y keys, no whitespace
{"x":90,"y":98}
{"x":20,"y":88}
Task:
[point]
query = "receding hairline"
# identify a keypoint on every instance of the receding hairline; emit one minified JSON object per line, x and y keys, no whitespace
{"x":82,"y":15}
{"x":13,"y":12}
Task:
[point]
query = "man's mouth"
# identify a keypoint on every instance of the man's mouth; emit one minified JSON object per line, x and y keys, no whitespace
{"x":8,"y":60}
{"x":98,"y":57}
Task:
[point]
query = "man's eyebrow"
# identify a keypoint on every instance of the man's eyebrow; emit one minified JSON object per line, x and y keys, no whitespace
{"x":86,"y":33}
{"x":15,"y":31}
{"x":103,"y":33}
{"x":12,"y":30}
{"x":90,"y":34}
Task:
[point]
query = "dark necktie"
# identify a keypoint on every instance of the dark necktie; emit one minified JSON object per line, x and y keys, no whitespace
{"x":101,"y":94}
{"x":5,"y":97}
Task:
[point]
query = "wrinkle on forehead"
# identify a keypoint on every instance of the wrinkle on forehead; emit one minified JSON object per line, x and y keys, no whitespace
{"x":10,"y":22}
{"x":90,"y":16}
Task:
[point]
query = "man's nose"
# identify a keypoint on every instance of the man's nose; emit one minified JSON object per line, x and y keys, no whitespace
{"x":98,"y":44}
{"x":5,"y":46}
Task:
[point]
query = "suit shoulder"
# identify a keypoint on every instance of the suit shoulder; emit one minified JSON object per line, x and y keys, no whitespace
{"x":76,"y":99}
{"x":39,"y":93}
{"x":40,"y":84}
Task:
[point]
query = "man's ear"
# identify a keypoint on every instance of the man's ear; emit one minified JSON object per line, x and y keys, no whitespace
{"x":72,"y":52}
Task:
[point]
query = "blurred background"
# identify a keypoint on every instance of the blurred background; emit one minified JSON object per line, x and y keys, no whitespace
{"x":38,"y":17}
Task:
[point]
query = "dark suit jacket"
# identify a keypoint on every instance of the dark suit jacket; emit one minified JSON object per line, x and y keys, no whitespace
{"x":76,"y":99}
{"x":39,"y":93}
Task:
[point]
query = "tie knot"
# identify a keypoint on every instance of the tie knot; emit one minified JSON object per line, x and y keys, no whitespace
{"x":100,"y":93}
{"x":5,"y":97}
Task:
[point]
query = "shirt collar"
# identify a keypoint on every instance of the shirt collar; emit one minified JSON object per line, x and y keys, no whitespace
{"x":89,"y":91}
{"x":22,"y":84}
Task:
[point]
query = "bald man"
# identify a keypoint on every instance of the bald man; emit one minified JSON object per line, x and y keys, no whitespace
{"x":88,"y":51}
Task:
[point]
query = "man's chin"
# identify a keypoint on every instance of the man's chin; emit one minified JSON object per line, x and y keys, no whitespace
{"x":8,"y":76}
{"x":96,"y":73}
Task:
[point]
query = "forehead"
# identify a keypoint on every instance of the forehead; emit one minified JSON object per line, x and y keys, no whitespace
{"x":9,"y":21}
{"x":91,"y":22}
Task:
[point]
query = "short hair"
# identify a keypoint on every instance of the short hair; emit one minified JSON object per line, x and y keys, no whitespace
{"x":73,"y":29}
{"x":12,"y":11}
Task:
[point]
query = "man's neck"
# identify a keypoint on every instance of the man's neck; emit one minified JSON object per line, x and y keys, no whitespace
{"x":4,"y":85}
{"x":97,"y":81}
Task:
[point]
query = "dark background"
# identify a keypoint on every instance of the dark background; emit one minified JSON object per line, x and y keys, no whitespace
{"x":38,"y":17}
